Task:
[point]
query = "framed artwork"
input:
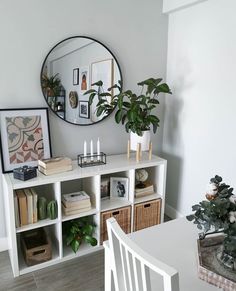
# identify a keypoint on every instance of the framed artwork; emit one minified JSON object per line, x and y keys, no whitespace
{"x":76,"y":76}
{"x":103,"y":70}
{"x":84,"y":79}
{"x":84,"y":109}
{"x":25,"y":137}
{"x":105,"y":187}
{"x":119,"y":187}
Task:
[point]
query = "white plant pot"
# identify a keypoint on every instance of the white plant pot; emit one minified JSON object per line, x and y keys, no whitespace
{"x":144,"y":140}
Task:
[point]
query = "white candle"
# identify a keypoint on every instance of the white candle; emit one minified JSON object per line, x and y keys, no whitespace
{"x":98,"y":149}
{"x":91,"y":149}
{"x":85,"y":151}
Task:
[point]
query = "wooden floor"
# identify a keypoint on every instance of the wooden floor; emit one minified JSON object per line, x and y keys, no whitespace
{"x":83,"y":274}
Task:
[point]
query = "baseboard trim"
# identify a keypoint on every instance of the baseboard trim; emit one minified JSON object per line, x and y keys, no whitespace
{"x":3,"y":244}
{"x":172,"y":212}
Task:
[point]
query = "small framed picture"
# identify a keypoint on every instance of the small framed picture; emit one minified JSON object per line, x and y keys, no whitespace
{"x":84,"y":109}
{"x":84,"y":79}
{"x":105,"y":187}
{"x":76,"y":76}
{"x":119,"y":187}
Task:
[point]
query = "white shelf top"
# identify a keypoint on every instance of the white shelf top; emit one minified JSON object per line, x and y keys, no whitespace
{"x":147,"y":198}
{"x":40,"y":223}
{"x":110,"y":204}
{"x":84,"y":249}
{"x":82,"y":214}
{"x":115,"y":163}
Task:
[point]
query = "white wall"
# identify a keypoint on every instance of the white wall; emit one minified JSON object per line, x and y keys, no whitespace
{"x":200,"y":127}
{"x":136,"y":34}
{"x":173,"y":5}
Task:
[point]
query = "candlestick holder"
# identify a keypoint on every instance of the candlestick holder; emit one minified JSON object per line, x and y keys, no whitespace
{"x":91,"y":160}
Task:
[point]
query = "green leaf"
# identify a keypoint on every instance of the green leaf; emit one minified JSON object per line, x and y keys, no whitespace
{"x":153,"y":101}
{"x":190,"y":217}
{"x":164,"y":88}
{"x":90,"y":91}
{"x":91,"y":240}
{"x":75,"y":244}
{"x":118,"y":116}
{"x":91,"y":97}
{"x":99,"y":111}
{"x":69,"y":238}
{"x":88,"y":229}
{"x":105,"y":94}
{"x":98,"y":83}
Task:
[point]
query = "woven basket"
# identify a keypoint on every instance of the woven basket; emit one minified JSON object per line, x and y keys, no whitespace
{"x":147,"y":214}
{"x":122,"y":215}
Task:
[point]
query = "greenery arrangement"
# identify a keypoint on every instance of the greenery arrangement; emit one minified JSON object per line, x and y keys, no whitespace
{"x":51,"y":85}
{"x":134,"y":111}
{"x":217,"y":213}
{"x":78,"y":231}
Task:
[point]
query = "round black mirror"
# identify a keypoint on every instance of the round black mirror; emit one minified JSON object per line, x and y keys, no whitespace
{"x":69,"y":70}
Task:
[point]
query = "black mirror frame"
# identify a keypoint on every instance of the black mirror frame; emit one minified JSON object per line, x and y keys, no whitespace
{"x":41,"y":72}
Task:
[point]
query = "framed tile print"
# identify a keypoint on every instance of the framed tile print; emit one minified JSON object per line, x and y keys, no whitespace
{"x":25,"y":137}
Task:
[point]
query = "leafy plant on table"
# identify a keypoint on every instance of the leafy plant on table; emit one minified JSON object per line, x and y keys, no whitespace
{"x":79,"y":231}
{"x":134,"y":111}
{"x":217,"y":213}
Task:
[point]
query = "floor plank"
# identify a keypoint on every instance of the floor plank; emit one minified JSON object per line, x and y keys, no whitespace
{"x":81,"y":274}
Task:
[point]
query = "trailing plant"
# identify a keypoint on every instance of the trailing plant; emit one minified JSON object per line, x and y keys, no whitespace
{"x":79,"y":231}
{"x":217,"y":213}
{"x":134,"y":111}
{"x":51,"y":85}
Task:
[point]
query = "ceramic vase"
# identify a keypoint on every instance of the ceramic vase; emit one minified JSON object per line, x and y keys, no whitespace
{"x":144,"y":140}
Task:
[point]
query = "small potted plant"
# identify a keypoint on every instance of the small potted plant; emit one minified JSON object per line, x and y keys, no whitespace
{"x":217,"y":214}
{"x":79,"y":231}
{"x":134,"y":111}
{"x":51,"y":85}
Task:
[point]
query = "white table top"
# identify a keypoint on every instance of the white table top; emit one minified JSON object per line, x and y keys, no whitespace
{"x":175,"y":243}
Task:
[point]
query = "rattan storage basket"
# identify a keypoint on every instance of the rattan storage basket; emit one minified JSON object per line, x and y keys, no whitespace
{"x":122,"y":215}
{"x":147,"y":214}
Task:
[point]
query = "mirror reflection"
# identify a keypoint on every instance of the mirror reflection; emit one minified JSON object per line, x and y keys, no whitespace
{"x":69,"y":70}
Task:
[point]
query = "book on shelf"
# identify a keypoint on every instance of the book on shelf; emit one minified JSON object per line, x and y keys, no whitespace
{"x":72,"y":211}
{"x":75,"y":198}
{"x":56,"y":170}
{"x":22,"y":201}
{"x":54,"y":163}
{"x":77,"y":205}
{"x":16,"y":208}
{"x":35,"y":208}
{"x":148,"y":189}
{"x":29,"y":199}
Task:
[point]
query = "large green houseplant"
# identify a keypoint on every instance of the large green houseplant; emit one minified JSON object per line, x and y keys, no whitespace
{"x":134,"y":111}
{"x":218,"y":214}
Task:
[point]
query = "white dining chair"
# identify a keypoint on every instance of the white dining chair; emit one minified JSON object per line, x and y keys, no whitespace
{"x":128,"y":267}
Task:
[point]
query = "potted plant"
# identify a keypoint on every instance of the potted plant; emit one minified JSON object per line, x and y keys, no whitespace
{"x":79,"y":231}
{"x":217,"y":214}
{"x":51,"y":85}
{"x":134,"y":111}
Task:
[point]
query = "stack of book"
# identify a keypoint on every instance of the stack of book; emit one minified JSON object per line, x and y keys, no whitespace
{"x":75,"y":203}
{"x":25,"y":206}
{"x":54,"y":165}
{"x":146,"y":189}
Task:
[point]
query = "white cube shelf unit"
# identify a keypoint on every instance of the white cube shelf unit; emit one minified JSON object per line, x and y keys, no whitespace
{"x":89,"y":180}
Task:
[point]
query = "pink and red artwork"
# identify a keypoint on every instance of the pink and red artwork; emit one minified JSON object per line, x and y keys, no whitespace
{"x":25,"y":138}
